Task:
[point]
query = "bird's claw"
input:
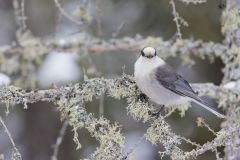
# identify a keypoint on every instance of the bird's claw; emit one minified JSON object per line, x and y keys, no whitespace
{"x":156,"y":114}
{"x":143,"y":97}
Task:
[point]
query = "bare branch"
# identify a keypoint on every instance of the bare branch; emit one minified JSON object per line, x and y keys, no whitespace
{"x":98,"y":18}
{"x":193,"y":1}
{"x":58,"y":5}
{"x":15,"y":154}
{"x":59,"y":140}
{"x":177,"y":19}
{"x":20,"y":15}
{"x":132,"y":150}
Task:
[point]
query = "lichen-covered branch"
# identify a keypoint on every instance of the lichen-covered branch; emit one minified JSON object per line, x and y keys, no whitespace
{"x":70,"y":101}
{"x":231,"y":59}
{"x":25,"y":60}
{"x":230,"y":29}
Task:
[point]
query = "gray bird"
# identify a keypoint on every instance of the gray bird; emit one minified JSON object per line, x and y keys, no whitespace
{"x":158,"y":81}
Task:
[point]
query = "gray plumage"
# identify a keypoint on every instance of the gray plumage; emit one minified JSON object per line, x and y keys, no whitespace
{"x":162,"y":84}
{"x":174,"y":82}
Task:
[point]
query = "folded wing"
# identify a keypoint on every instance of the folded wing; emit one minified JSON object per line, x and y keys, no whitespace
{"x":177,"y":84}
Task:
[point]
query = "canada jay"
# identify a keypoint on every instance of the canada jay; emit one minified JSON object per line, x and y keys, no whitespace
{"x":161,"y":84}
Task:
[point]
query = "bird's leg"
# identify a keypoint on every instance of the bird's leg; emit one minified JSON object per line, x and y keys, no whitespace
{"x":143,"y":97}
{"x":156,"y":114}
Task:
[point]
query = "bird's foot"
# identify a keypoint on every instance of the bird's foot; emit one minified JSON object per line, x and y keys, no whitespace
{"x":143,"y":97}
{"x":156,"y":114}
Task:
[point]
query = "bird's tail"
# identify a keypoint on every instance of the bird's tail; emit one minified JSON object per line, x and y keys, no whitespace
{"x":208,"y":107}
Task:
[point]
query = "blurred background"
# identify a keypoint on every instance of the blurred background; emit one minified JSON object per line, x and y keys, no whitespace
{"x":35,"y":130}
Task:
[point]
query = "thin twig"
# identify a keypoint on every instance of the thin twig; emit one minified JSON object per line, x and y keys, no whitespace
{"x":190,"y":142}
{"x":169,"y":113}
{"x":132,"y":150}
{"x":118,"y":31}
{"x":193,"y":1}
{"x":176,"y":18}
{"x":24,"y":18}
{"x":20,"y":14}
{"x":101,"y":105}
{"x":201,"y":122}
{"x":59,"y":140}
{"x":98,"y":19}
{"x":217,"y":154}
{"x":16,"y":153}
{"x":67,"y":15}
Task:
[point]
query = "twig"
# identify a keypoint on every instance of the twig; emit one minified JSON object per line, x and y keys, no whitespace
{"x":98,"y":19}
{"x":132,"y":150}
{"x":169,"y":113}
{"x":67,"y":15}
{"x":118,"y":31}
{"x":177,"y":19}
{"x":190,"y":142}
{"x":201,"y":122}
{"x":193,"y":1}
{"x":20,"y":14}
{"x":217,"y":154}
{"x":16,"y":154}
{"x":101,"y":106}
{"x":59,"y":140}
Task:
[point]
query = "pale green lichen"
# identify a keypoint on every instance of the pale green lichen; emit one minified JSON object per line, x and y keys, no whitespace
{"x":16,"y":155}
{"x":71,"y":107}
{"x":25,"y":60}
{"x":82,"y":13}
{"x":160,"y":132}
{"x":70,"y":103}
{"x":182,"y":108}
{"x":70,"y":100}
{"x":230,"y":21}
{"x":139,"y":110}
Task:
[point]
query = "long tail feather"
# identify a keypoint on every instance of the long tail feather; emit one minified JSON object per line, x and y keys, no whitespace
{"x":207,"y":106}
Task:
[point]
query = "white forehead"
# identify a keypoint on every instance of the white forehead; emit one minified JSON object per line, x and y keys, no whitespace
{"x":149,"y":51}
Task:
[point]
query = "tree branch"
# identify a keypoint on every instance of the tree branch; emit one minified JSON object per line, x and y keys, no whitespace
{"x":70,"y":101}
{"x":15,"y":153}
{"x":33,"y":50}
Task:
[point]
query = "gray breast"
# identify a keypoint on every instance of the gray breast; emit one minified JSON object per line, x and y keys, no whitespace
{"x":149,"y":85}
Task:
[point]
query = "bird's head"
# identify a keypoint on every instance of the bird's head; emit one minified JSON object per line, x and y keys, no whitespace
{"x":148,"y":52}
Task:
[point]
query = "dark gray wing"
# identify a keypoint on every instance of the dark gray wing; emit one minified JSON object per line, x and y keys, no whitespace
{"x":175,"y":82}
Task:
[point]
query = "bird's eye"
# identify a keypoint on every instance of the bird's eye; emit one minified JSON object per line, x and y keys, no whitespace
{"x":142,"y":53}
